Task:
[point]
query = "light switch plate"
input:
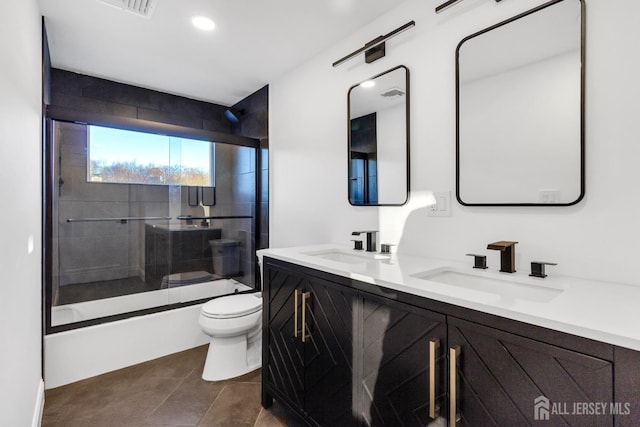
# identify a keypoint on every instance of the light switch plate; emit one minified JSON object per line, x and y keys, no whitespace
{"x":443,"y":204}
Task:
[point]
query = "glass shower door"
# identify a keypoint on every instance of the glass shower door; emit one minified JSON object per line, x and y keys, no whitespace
{"x":132,"y":235}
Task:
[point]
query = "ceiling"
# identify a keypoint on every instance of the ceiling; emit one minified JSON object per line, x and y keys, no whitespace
{"x":254,"y":42}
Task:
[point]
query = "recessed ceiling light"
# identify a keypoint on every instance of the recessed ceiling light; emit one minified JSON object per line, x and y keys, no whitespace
{"x":368,"y":83}
{"x":203,"y":23}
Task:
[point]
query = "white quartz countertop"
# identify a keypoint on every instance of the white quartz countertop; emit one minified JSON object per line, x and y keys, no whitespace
{"x":597,"y":310}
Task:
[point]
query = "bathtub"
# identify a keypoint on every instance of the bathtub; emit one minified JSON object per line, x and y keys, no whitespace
{"x":86,"y":352}
{"x":69,"y":313}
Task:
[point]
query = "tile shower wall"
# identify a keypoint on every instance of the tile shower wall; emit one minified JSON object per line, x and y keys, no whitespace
{"x":92,"y":251}
{"x":90,"y":94}
{"x":235,"y":166}
{"x":235,"y":196}
{"x":254,"y":123}
{"x":97,"y":251}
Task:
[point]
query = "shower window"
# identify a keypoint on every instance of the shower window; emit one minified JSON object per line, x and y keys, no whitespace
{"x":129,"y":157}
{"x":131,"y":227}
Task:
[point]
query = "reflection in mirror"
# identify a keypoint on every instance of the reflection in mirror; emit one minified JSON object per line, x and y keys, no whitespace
{"x":520,"y":110}
{"x":379,"y":139}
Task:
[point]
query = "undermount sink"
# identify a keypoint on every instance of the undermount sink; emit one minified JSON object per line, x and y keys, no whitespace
{"x":493,"y":284}
{"x":346,"y":257}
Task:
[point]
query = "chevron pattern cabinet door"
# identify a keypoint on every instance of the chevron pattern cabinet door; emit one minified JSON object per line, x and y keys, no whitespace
{"x":395,"y":363}
{"x":284,"y":362}
{"x":508,"y":380}
{"x":329,"y":353}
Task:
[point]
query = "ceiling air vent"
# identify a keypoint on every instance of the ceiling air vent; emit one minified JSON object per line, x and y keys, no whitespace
{"x":143,"y":8}
{"x":393,"y":92}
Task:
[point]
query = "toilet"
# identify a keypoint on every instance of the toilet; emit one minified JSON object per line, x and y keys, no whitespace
{"x":234,"y":324}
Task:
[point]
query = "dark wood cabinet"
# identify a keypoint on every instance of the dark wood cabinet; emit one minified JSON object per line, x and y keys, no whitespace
{"x":627,"y":387}
{"x":501,"y":376}
{"x":309,"y":331}
{"x":402,"y":347}
{"x":385,"y":358}
{"x":328,"y":352}
{"x":283,"y":372}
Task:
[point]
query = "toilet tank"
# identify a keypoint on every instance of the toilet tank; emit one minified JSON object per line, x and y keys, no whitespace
{"x":226,"y":256}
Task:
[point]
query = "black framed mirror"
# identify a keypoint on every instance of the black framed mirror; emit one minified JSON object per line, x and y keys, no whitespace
{"x":378,"y":139}
{"x":520,"y":110}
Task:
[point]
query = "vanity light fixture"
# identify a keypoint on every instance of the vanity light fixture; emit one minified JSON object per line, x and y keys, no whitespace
{"x":448,"y":3}
{"x":375,"y":49}
{"x":203,"y":23}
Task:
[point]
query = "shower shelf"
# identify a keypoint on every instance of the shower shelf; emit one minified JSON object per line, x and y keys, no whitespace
{"x":123,"y":220}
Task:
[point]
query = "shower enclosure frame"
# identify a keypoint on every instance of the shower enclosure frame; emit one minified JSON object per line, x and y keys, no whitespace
{"x":59,"y":114}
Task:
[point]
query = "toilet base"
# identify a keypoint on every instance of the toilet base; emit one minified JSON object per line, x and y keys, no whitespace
{"x":231,"y":357}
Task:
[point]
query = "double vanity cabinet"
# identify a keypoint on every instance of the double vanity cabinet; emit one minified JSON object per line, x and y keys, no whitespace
{"x":342,"y":352}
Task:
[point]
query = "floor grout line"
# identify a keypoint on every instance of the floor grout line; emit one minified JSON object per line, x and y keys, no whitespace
{"x":166,"y":398}
{"x":258,"y":417}
{"x":211,"y":406}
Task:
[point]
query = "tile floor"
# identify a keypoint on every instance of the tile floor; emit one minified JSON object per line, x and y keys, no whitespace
{"x":164,"y":392}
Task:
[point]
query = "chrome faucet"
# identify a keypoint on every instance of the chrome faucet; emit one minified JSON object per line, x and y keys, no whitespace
{"x":507,"y":255}
{"x":372,"y":243}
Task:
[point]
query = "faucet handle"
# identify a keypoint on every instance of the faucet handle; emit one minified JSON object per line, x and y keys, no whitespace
{"x":372,"y":242}
{"x":479,"y":261}
{"x":357,"y":244}
{"x":385,"y":248}
{"x":537,"y":268}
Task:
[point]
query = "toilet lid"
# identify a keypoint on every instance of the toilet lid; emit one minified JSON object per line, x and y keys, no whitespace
{"x":232,"y":306}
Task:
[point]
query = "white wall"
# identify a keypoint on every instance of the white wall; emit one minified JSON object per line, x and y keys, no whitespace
{"x":20,"y":192}
{"x":598,"y":238}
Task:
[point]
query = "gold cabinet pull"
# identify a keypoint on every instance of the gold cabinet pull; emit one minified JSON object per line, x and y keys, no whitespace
{"x":305,"y":295}
{"x":434,"y":410}
{"x":295,"y":313}
{"x":454,"y":415}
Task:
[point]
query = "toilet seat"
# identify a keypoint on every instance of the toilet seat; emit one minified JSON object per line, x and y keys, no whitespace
{"x":231,"y":306}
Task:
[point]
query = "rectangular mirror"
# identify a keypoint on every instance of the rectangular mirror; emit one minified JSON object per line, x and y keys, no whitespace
{"x":378,"y":135}
{"x":520,"y":110}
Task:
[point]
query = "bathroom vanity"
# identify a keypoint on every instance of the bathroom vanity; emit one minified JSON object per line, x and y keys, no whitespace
{"x":353,"y":338}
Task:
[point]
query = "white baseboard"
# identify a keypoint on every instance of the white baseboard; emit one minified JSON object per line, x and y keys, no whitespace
{"x":39,"y":407}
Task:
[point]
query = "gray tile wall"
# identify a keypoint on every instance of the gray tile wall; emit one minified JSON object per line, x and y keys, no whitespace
{"x":254,"y":123}
{"x":92,"y":251}
{"x":235,"y":196}
{"x":94,"y":95}
{"x":236,"y":191}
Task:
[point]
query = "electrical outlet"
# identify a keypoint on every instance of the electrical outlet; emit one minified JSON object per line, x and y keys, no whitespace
{"x":443,"y":204}
{"x":549,"y":196}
